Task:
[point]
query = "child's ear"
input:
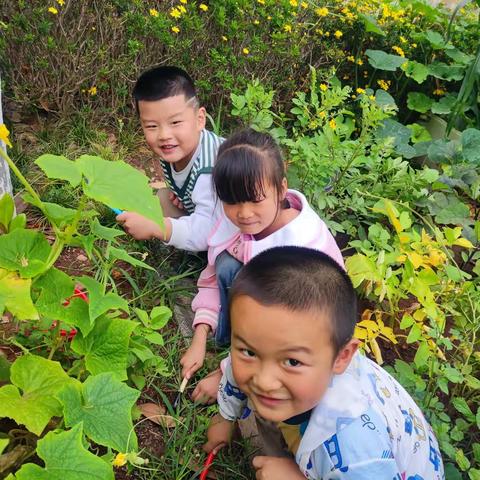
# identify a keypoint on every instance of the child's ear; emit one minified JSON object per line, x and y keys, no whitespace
{"x":284,"y":187}
{"x":344,"y":356}
{"x":201,"y":118}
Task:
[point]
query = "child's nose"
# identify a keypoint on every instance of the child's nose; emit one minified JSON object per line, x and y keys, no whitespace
{"x":163,"y":133}
{"x":244,"y":211}
{"x":266,"y":380}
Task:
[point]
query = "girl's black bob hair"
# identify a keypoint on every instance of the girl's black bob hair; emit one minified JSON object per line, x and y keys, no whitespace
{"x":247,"y":162}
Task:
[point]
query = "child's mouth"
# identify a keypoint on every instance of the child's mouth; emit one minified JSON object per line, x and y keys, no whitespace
{"x":168,"y":148}
{"x":269,"y":401}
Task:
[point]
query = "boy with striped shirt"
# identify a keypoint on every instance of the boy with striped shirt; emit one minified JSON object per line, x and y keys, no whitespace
{"x":174,"y":127}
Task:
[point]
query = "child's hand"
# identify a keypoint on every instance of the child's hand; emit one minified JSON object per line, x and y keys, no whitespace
{"x":139,"y":227}
{"x":195,"y":355}
{"x":218,"y":434}
{"x":175,"y":200}
{"x":276,"y":468}
{"x":207,"y":389}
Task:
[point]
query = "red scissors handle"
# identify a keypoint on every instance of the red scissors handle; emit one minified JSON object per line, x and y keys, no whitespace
{"x":206,"y":466}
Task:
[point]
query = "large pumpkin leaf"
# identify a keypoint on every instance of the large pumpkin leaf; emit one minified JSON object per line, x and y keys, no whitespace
{"x":66,"y":458}
{"x":448,"y":209}
{"x":384,"y":61}
{"x":24,"y":251}
{"x":59,"y":167}
{"x":121,"y":186}
{"x":419,"y":102}
{"x":446,"y":72}
{"x":30,"y":399}
{"x":100,"y":302}
{"x":56,"y":288}
{"x":106,"y":346}
{"x":104,"y":405}
{"x":15,"y":296}
{"x":471,"y":145}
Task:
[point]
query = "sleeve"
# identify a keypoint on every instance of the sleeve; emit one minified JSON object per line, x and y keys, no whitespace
{"x":206,"y":303}
{"x":232,"y":402}
{"x":191,"y":231}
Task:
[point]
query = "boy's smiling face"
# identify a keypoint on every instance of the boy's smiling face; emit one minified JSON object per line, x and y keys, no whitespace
{"x":283,"y":360}
{"x":172,"y":128}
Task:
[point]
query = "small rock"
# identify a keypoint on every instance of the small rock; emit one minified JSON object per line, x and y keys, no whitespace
{"x":82,"y":258}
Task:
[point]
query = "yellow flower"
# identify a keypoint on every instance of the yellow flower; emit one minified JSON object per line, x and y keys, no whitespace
{"x":351,"y":58}
{"x":414,"y":45}
{"x":359,"y":61}
{"x":175,"y":29}
{"x":203,"y":7}
{"x":338,"y":34}
{"x":322,"y":11}
{"x":294,"y":3}
{"x":256,"y":22}
{"x":183,"y":1}
{"x":153,"y":12}
{"x":287,"y":28}
{"x":175,"y":13}
{"x":322,"y":114}
{"x":92,"y":91}
{"x":120,"y":460}
{"x":398,"y":50}
{"x":372,"y":97}
{"x":61,"y":2}
{"x":246,"y":51}
{"x":4,"y":133}
{"x":383,"y":84}
{"x":53,"y":10}
{"x":327,"y":34}
{"x":333,"y":124}
{"x":439,"y":92}
{"x":304,"y":5}
{"x":403,"y":39}
{"x":224,"y":38}
{"x":360,"y":90}
{"x":182,"y":9}
{"x":261,"y":2}
{"x":323,"y":87}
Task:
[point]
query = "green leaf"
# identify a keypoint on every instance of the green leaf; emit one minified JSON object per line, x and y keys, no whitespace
{"x":436,"y":40}
{"x":422,"y":354}
{"x":370,"y":24}
{"x":59,"y":215}
{"x":59,"y":167}
{"x":444,"y":105}
{"x":120,"y":254}
{"x":419,"y":102}
{"x":159,"y":316}
{"x":407,"y":321}
{"x":15,"y":296}
{"x":20,"y":221}
{"x":471,"y":145}
{"x":106,"y":346}
{"x":453,"y":374}
{"x":119,"y":185}
{"x":461,"y":406}
{"x":105,"y":233}
{"x":4,"y":369}
{"x":458,"y":56}
{"x":415,"y":70}
{"x":415,"y":334}
{"x":7,"y":208}
{"x":3,"y":444}
{"x":446,"y":72}
{"x":100,"y":302}
{"x":361,"y":268}
{"x":57,"y":287}
{"x":442,"y":151}
{"x":155,"y":338}
{"x":462,"y":460}
{"x":384,"y":99}
{"x":384,"y":61}
{"x":39,"y":380}
{"x":420,"y":134}
{"x":448,"y":210}
{"x":24,"y":251}
{"x":477,"y":419}
{"x":66,"y":458}
{"x":104,"y":405}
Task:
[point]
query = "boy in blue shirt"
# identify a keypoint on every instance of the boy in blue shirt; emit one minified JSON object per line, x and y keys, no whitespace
{"x":173,"y":123}
{"x":294,"y":362}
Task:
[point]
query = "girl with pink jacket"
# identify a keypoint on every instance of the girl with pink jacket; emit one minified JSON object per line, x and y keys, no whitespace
{"x":260,"y":212}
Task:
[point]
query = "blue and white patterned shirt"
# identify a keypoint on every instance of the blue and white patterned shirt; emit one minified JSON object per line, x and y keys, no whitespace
{"x":366,"y":427}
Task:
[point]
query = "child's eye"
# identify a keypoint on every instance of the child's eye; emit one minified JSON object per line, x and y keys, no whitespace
{"x":176,"y":122}
{"x":291,"y":362}
{"x":247,"y":353}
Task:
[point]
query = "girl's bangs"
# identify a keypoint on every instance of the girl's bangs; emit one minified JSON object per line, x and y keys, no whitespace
{"x":239,"y":176}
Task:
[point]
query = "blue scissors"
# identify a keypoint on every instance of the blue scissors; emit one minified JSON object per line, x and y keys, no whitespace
{"x":116,"y":211}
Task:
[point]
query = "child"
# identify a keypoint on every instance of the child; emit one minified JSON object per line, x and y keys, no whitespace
{"x":174,"y":127}
{"x":260,"y":213}
{"x":295,"y":362}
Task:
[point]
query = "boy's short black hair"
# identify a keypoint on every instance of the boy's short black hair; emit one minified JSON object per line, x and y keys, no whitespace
{"x":163,"y":82}
{"x":301,"y":279}
{"x":247,"y":162}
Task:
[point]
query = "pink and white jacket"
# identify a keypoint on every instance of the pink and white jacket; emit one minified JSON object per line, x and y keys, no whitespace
{"x":305,"y":230}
